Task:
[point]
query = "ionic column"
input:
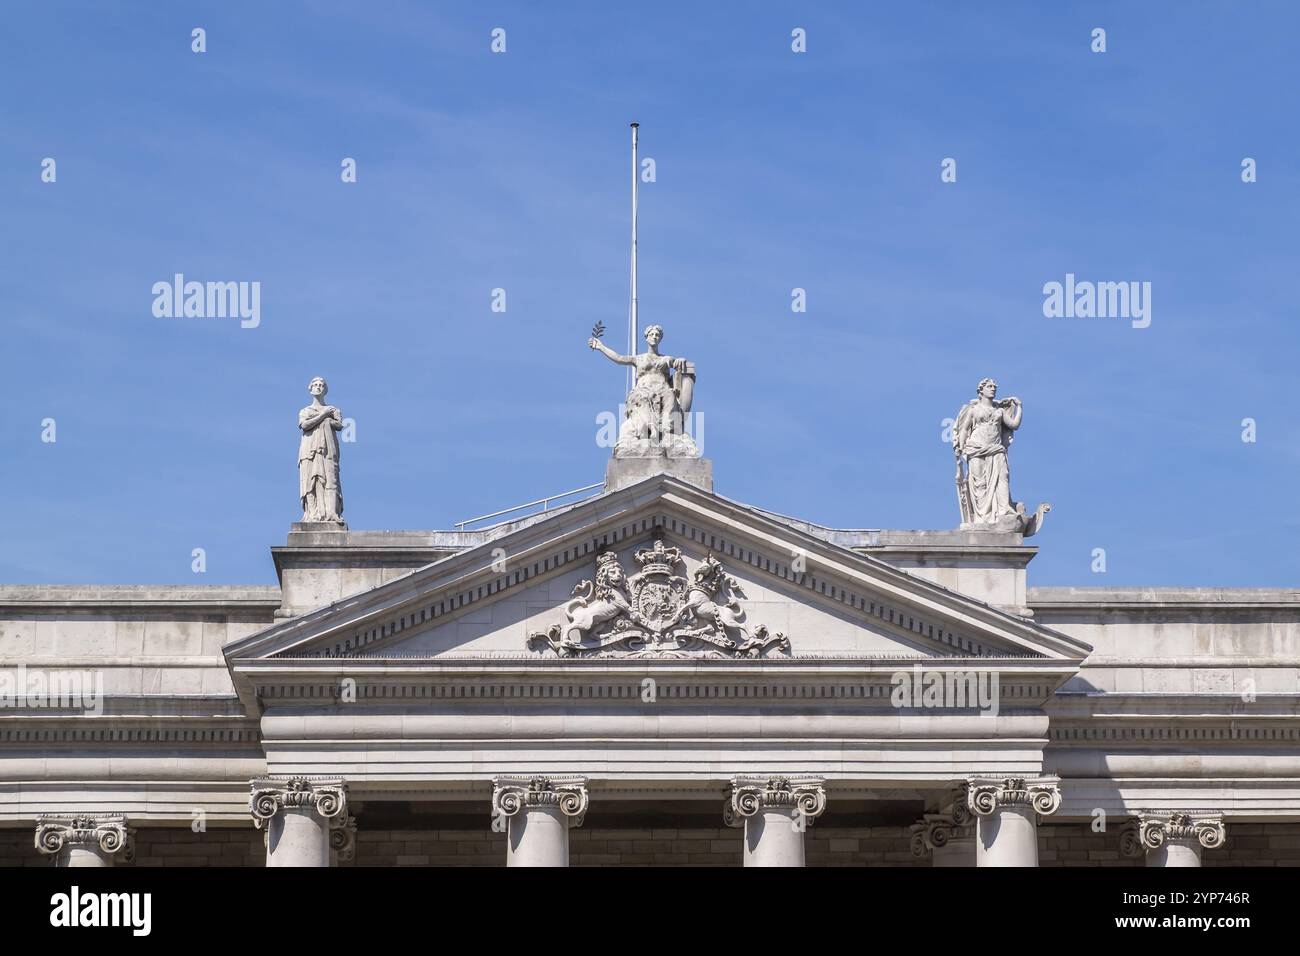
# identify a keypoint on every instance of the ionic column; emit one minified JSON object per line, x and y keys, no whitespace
{"x":775,"y":812}
{"x":296,"y":812}
{"x":1173,"y":838}
{"x":948,"y":838}
{"x":1007,"y":812}
{"x":84,"y":840}
{"x":538,"y":812}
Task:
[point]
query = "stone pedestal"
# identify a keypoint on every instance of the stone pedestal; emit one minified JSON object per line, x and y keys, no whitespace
{"x":984,"y":565}
{"x":624,"y":471}
{"x":83,"y":840}
{"x":1172,"y":838}
{"x":775,"y":812}
{"x":1007,"y":812}
{"x":538,"y":812}
{"x":320,"y":563}
{"x":297,"y":813}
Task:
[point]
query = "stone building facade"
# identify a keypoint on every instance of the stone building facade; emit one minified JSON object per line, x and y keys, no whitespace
{"x":656,"y":675}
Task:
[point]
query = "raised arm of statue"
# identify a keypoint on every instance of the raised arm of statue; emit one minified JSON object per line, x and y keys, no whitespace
{"x":1012,"y":412}
{"x":610,"y":354}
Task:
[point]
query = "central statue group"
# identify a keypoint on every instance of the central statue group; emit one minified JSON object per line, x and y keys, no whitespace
{"x":659,"y":402}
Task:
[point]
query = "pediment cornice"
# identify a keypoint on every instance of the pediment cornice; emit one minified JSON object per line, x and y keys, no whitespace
{"x":944,"y":622}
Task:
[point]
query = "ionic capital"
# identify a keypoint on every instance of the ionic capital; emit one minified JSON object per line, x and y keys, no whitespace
{"x":343,"y":837}
{"x":934,"y":830}
{"x":326,"y":796}
{"x":106,"y":832}
{"x":1155,"y":828}
{"x":985,"y":796}
{"x":802,"y":797}
{"x":568,"y":794}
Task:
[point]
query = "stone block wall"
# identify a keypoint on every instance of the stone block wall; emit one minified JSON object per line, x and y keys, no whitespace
{"x":156,"y":846}
{"x":1249,"y":844}
{"x":134,"y":640}
{"x":1275,"y":844}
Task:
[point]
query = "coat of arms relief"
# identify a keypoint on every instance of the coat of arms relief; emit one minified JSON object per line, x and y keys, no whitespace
{"x":657,"y":612}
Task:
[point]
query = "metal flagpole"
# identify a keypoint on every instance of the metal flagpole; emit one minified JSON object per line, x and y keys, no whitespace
{"x":632,"y":317}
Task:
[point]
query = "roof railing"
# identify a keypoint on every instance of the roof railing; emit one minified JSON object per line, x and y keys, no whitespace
{"x":544,"y":502}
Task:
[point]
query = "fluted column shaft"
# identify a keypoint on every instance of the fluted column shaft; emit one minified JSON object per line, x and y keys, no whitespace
{"x":775,"y":812}
{"x":296,"y":813}
{"x":538,"y":813}
{"x":1007,"y":812}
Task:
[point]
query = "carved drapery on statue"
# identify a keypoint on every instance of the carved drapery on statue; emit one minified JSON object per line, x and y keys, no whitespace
{"x":657,"y":612}
{"x":318,"y":458}
{"x":657,"y":405}
{"x":984,"y":430}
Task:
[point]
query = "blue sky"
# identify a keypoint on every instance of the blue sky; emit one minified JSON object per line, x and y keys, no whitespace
{"x":775,"y":170}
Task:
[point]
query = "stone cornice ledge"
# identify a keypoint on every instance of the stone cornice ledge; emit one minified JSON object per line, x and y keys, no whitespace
{"x":711,"y":668}
{"x":1067,"y":708}
{"x":1152,"y":599}
{"x":1024,"y":682}
{"x":181,"y":598}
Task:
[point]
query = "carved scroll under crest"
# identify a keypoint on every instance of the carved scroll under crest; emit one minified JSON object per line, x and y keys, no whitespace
{"x":657,"y":613}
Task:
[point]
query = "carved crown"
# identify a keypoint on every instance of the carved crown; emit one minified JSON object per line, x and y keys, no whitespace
{"x":659,"y":560}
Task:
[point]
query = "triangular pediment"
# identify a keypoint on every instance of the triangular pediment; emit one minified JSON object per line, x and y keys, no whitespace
{"x":504,"y":597}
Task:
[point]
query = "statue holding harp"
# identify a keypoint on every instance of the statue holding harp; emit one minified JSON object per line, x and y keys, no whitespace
{"x":658,"y":403}
{"x":983,"y":433}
